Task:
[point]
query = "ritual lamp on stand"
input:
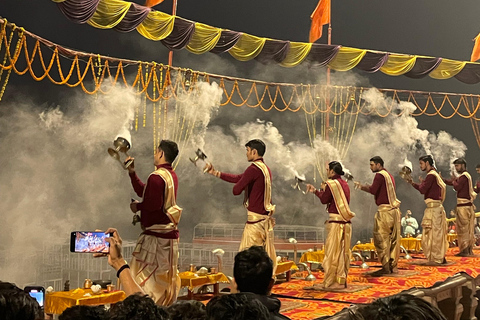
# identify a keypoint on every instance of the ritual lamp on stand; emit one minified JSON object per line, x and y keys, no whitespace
{"x":121,"y":146}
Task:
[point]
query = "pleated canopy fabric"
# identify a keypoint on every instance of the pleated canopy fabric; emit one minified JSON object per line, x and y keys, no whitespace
{"x":177,"y":33}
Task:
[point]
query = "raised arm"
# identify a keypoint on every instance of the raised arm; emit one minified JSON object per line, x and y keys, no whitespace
{"x":460,"y":183}
{"x":137,"y":184}
{"x":246,"y":178}
{"x":426,"y":184}
{"x":232,"y":178}
{"x":325,"y":195}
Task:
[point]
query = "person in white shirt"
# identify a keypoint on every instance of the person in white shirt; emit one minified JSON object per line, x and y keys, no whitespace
{"x":409,"y":224}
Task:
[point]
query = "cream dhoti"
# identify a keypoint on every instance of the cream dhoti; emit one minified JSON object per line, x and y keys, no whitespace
{"x":337,"y":250}
{"x":258,"y":231}
{"x":154,"y":265}
{"x":434,"y":238}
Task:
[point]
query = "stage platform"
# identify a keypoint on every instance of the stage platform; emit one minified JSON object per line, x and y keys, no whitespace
{"x":452,"y":287}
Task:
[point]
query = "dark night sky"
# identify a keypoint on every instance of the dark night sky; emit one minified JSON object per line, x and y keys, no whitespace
{"x":436,"y":28}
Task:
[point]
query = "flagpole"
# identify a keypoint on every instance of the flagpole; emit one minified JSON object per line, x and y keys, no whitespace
{"x":327,"y":115}
{"x":174,"y":13}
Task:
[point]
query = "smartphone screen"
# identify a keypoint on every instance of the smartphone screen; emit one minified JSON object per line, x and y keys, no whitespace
{"x":38,"y":293}
{"x":89,"y":242}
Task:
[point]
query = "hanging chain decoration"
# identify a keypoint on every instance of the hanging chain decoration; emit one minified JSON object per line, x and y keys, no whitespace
{"x":165,"y":86}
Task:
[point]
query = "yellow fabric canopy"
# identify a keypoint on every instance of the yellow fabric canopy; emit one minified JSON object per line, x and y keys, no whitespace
{"x":347,"y":58}
{"x":247,"y":47}
{"x":447,"y":69}
{"x":109,"y":14}
{"x":297,"y":53}
{"x":204,"y":38}
{"x":398,"y":64}
{"x":156,"y":26}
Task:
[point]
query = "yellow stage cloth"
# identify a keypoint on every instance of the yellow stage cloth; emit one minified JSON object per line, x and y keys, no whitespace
{"x":57,"y":302}
{"x":411,"y":244}
{"x":192,"y":280}
{"x":283,"y":267}
{"x":313,"y":256}
{"x":364,"y":247}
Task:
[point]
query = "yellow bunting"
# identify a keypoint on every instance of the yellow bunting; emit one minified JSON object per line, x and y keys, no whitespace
{"x":347,"y":58}
{"x":80,"y":68}
{"x":297,"y":52}
{"x":109,"y":13}
{"x":398,"y":64}
{"x":247,"y":47}
{"x":447,"y":69}
{"x":204,"y":38}
{"x":156,"y":26}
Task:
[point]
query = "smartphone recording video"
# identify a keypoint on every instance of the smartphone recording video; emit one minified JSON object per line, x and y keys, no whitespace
{"x":89,"y":242}
{"x":36,"y":292}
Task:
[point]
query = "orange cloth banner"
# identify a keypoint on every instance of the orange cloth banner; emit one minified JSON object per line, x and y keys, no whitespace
{"x":476,"y":49}
{"x":152,"y":3}
{"x":319,"y":17}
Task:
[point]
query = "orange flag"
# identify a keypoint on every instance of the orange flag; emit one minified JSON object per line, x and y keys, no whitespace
{"x":476,"y":49}
{"x":152,"y":3}
{"x":319,"y":17}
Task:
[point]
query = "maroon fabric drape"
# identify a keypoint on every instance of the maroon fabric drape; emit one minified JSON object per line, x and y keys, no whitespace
{"x":273,"y":51}
{"x":134,"y":17}
{"x":180,"y":36}
{"x":322,"y":54}
{"x":372,"y":61}
{"x":226,"y":42}
{"x":79,"y":11}
{"x":422,"y":67}
{"x":470,"y":74}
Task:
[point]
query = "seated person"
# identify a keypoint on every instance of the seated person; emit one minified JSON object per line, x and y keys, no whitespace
{"x":409,"y":224}
{"x":237,"y":306}
{"x":400,"y":307}
{"x":252,"y":272}
{"x":84,"y":313}
{"x":187,"y":310}
{"x":16,"y":304}
{"x":138,"y":307}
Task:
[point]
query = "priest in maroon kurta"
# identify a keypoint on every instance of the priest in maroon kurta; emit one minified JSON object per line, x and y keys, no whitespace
{"x":464,"y":212}
{"x":434,"y":223}
{"x":155,"y":258}
{"x":256,"y":184}
{"x":335,"y":193}
{"x":386,"y":228}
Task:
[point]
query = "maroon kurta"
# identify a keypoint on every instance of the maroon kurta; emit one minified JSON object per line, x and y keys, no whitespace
{"x":460,"y":185}
{"x":152,"y":206}
{"x":326,"y":196}
{"x":379,"y":189}
{"x":429,"y":188}
{"x":254,"y":181}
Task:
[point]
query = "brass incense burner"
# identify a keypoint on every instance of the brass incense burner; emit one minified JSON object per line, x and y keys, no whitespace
{"x":406,"y":173}
{"x":121,"y":146}
{"x":199,"y":155}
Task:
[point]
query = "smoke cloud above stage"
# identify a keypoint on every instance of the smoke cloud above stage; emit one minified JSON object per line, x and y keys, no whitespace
{"x":57,"y":176}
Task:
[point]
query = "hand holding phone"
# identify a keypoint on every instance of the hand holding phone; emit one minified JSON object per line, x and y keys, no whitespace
{"x":115,"y":258}
{"x":89,"y":242}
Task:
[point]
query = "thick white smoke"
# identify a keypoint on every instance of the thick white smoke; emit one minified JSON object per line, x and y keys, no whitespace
{"x":59,"y":177}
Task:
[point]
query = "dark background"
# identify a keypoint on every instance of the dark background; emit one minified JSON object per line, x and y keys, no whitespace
{"x":440,"y":28}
